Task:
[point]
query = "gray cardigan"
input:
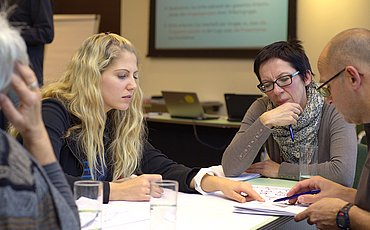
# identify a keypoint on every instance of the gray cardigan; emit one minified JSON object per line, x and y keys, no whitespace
{"x":337,"y":148}
{"x":33,"y":196}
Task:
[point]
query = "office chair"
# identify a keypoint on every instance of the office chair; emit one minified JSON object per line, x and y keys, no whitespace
{"x":361,"y":157}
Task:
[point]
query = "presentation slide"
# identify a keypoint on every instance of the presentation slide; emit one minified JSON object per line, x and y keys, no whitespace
{"x":219,"y":24}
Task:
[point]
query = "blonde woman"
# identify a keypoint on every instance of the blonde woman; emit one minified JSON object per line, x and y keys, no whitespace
{"x":94,"y":118}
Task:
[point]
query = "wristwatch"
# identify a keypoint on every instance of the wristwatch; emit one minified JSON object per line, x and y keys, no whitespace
{"x":343,"y":217}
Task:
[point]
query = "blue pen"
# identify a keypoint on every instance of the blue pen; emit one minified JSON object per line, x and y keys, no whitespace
{"x":291,"y":132}
{"x":315,"y":191}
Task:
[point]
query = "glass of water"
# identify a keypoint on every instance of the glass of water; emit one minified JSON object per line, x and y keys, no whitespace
{"x":163,"y":204}
{"x":89,"y":199}
{"x":308,"y":161}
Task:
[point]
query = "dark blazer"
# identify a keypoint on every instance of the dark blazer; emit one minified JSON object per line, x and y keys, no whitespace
{"x":57,"y":121}
{"x":34,"y":18}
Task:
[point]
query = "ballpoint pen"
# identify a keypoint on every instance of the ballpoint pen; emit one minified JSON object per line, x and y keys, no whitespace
{"x":315,"y":191}
{"x":291,"y":132}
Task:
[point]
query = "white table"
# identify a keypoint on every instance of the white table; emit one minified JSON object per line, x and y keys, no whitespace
{"x":195,"y":211}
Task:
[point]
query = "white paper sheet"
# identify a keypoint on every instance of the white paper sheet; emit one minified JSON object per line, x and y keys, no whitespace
{"x":270,"y":193}
{"x":118,"y":213}
{"x":243,"y":177}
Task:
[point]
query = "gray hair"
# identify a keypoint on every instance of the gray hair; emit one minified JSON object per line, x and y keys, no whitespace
{"x":12,"y":49}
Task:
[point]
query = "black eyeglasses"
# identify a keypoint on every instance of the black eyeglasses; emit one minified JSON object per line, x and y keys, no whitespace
{"x":325,"y":91}
{"x":281,"y":82}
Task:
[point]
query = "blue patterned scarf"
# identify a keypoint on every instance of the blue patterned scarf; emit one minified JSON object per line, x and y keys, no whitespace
{"x":306,"y":130}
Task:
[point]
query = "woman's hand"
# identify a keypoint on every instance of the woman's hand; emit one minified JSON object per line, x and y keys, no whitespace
{"x":283,"y":115}
{"x":134,"y":189}
{"x":267,"y":168}
{"x":235,"y":190}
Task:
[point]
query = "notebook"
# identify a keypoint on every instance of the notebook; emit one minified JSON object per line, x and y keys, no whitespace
{"x":185,"y":105}
{"x":238,"y":104}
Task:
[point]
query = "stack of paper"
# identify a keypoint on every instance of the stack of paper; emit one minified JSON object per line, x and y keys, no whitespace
{"x":270,"y":193}
{"x":245,"y":176}
{"x":242,"y":177}
{"x":118,"y":213}
{"x":269,"y":208}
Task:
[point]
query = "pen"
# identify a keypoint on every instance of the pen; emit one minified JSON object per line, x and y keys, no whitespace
{"x":315,"y":191}
{"x":264,"y":152}
{"x":291,"y":132}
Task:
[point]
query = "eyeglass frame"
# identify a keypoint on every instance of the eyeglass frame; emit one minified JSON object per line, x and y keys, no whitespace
{"x":325,"y":91}
{"x":259,"y":86}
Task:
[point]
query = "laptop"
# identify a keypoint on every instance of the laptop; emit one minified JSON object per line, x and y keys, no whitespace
{"x":238,"y":104}
{"x":185,"y":105}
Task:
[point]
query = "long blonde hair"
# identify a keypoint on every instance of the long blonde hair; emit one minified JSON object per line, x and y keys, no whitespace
{"x":79,"y":90}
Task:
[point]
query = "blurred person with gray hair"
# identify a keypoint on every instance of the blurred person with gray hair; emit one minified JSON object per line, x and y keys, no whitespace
{"x":34,"y":191}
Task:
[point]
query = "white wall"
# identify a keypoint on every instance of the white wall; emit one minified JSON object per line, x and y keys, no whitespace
{"x":318,"y":21}
{"x":70,"y":30}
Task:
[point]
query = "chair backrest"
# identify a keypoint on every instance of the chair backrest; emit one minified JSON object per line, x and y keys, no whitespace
{"x":361,"y":157}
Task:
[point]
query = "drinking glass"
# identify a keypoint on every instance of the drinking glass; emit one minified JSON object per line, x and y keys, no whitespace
{"x":89,"y":199}
{"x":163,"y":204}
{"x":308,"y":162}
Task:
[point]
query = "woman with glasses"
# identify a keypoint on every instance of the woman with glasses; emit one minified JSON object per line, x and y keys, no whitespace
{"x":292,"y":114}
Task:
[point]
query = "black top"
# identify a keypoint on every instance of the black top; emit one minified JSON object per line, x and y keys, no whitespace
{"x":35,"y":20}
{"x":57,"y":121}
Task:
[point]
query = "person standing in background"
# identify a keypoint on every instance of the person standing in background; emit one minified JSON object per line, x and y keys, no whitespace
{"x":34,"y":19}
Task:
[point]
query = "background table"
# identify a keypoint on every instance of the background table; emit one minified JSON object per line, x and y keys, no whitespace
{"x":194,"y":143}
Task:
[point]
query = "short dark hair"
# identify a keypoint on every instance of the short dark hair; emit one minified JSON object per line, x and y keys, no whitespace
{"x":290,"y":51}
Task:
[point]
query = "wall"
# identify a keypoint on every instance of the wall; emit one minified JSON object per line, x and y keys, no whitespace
{"x":318,"y":21}
{"x":70,"y":30}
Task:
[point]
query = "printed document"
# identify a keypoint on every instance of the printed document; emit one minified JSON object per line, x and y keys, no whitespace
{"x":270,"y":208}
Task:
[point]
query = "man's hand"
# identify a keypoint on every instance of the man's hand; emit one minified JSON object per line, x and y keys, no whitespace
{"x":322,"y":213}
{"x":327,"y":187}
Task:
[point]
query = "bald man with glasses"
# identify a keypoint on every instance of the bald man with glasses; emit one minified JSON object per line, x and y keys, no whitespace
{"x":337,"y":206}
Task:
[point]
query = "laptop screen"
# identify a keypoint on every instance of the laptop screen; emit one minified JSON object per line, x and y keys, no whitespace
{"x":238,"y":104}
{"x":184,"y":105}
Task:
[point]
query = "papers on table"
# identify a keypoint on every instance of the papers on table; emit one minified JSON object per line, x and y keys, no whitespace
{"x":243,"y":177}
{"x":269,"y":193}
{"x":85,"y":203}
{"x":118,"y":213}
{"x":270,"y":208}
